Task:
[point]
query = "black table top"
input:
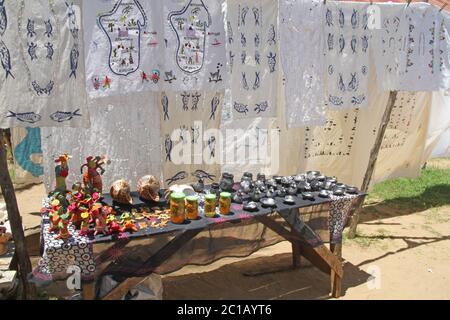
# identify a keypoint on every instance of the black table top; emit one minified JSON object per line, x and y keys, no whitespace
{"x":237,"y":215}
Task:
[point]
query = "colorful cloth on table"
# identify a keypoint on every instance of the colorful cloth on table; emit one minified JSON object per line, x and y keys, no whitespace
{"x":301,"y":54}
{"x":154,"y":45}
{"x":253,"y":57}
{"x":340,"y":211}
{"x":59,"y":257}
{"x":347,"y":44}
{"x":191,"y":144}
{"x":42,"y":65}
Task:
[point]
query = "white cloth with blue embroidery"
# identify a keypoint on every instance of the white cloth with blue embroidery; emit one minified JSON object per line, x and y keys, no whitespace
{"x":253,"y":58}
{"x":137,"y":45}
{"x":301,"y":53}
{"x":42,"y":65}
{"x":347,"y":45}
{"x":125,"y":128}
{"x":411,"y":48}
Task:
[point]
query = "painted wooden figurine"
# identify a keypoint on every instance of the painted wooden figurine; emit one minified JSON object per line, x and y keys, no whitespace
{"x":113,"y":224}
{"x":55,"y":215}
{"x":92,"y":179}
{"x":100,"y":219}
{"x":127,"y":222}
{"x":85,"y":217}
{"x":61,"y":172}
{"x":64,"y":233}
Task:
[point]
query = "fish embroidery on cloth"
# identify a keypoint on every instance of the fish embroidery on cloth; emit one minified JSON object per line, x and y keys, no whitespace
{"x":5,"y":58}
{"x":3,"y":18}
{"x":74,"y":56}
{"x":214,"y":105}
{"x":202,"y":175}
{"x":61,"y":116}
{"x":178,"y":177}
{"x":27,"y":117}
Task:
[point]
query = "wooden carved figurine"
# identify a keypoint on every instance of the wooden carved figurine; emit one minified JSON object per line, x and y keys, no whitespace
{"x":113,"y":224}
{"x":64,"y":227}
{"x":85,"y":217}
{"x":55,"y":216}
{"x":61,"y":172}
{"x":127,"y":223}
{"x":99,"y":218}
{"x":92,"y":179}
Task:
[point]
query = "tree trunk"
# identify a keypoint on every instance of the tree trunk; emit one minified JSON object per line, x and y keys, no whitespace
{"x":23,"y":259}
{"x":373,"y":158}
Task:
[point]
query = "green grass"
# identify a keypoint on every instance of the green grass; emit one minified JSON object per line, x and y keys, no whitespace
{"x":431,"y":189}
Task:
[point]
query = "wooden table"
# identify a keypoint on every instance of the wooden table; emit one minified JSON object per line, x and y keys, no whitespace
{"x":305,"y":242}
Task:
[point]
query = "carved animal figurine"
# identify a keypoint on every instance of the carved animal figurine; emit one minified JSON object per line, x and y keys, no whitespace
{"x":61,"y":172}
{"x":92,"y":179}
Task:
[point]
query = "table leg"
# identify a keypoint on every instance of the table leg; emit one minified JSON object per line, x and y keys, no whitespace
{"x":296,"y":255}
{"x":88,"y":290}
{"x":336,"y":280}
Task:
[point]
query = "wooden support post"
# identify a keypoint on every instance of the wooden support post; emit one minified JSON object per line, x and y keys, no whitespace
{"x":373,"y":158}
{"x":296,"y":255}
{"x":15,"y":220}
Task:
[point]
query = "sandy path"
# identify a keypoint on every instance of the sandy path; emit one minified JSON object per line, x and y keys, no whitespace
{"x":409,"y":255}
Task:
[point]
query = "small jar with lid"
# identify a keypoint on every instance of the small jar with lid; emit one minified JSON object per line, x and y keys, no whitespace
{"x":225,"y":203}
{"x":177,"y":207}
{"x":192,"y":207}
{"x":210,"y":205}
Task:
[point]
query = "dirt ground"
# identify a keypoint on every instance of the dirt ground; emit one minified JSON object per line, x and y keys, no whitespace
{"x":398,"y":255}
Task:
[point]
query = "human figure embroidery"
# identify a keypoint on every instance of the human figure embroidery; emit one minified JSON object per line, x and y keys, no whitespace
{"x":123,"y":27}
{"x":190,"y":26}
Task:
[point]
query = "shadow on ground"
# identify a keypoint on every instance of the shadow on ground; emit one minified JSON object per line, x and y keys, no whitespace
{"x":231,"y":281}
{"x":436,"y":196}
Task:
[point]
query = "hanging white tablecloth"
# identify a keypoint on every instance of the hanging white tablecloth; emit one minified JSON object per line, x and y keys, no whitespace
{"x":347,"y":44}
{"x":42,"y":65}
{"x":253,"y":57}
{"x":154,"y":45}
{"x":301,"y":53}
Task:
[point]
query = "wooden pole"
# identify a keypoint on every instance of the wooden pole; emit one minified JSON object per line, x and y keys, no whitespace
{"x":373,"y":158}
{"x":23,"y":259}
